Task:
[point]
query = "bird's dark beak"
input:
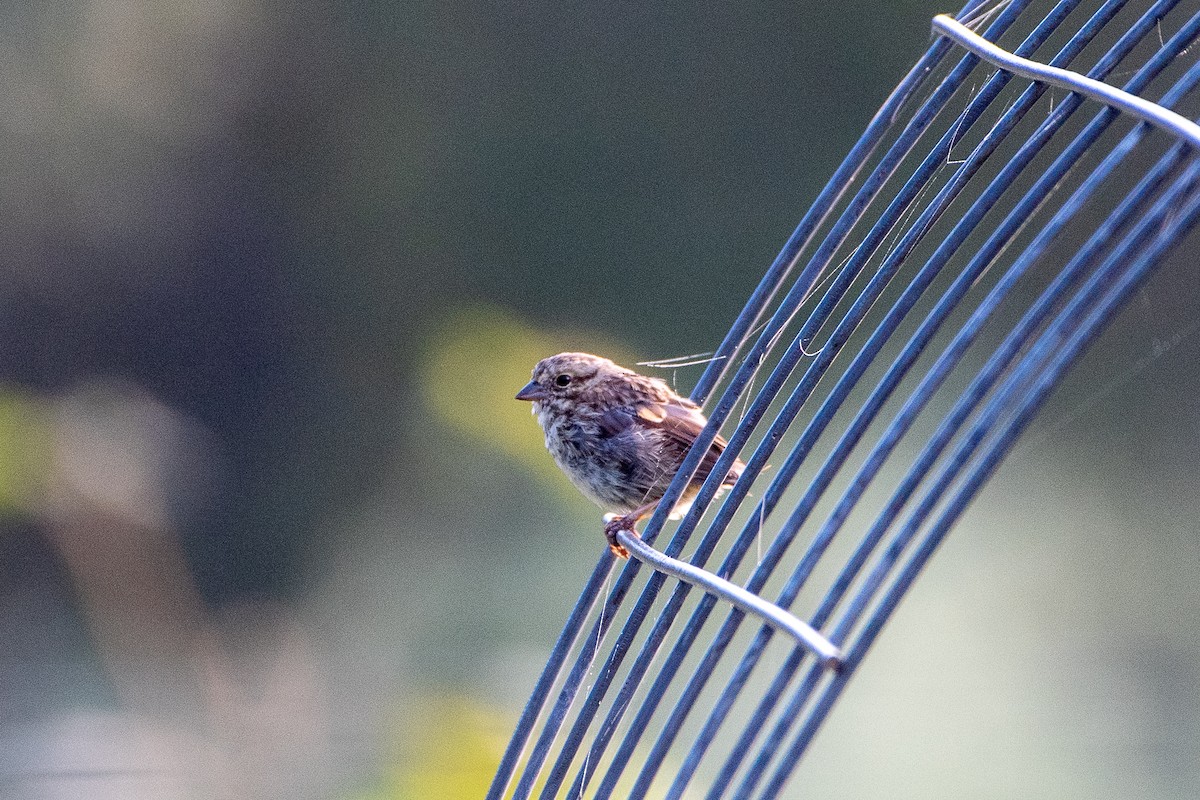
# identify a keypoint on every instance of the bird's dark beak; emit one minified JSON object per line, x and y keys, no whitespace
{"x":532,"y":391}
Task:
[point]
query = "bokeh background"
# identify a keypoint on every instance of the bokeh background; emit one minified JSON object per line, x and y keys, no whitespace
{"x":272,"y":526}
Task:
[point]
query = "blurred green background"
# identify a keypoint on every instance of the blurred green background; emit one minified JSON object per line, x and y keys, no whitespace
{"x":273,"y":526}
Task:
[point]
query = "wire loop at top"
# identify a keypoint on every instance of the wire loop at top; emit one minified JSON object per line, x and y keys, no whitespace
{"x":1146,"y":110}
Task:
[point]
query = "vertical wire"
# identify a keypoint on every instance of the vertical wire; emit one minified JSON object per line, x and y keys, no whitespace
{"x":874,"y":460}
{"x":991,"y":372}
{"x":1173,"y":216}
{"x":704,"y":737}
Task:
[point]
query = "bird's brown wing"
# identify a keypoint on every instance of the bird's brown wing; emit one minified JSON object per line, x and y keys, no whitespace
{"x":682,"y":424}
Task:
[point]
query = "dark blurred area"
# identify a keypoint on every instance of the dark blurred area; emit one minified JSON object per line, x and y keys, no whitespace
{"x":272,"y":523}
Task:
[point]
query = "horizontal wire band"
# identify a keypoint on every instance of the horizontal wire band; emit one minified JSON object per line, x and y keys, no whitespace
{"x":773,"y":615}
{"x":1146,"y":110}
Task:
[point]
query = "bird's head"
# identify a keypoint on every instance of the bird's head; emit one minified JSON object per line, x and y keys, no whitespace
{"x":567,"y":376}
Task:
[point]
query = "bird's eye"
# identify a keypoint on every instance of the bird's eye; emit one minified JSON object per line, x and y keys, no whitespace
{"x":562,"y":380}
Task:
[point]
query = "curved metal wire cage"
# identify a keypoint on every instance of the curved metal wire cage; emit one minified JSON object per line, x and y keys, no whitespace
{"x":973,"y":243}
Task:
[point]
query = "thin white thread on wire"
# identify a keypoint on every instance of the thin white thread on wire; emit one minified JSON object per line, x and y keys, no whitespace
{"x":1146,"y":110}
{"x":681,"y":361}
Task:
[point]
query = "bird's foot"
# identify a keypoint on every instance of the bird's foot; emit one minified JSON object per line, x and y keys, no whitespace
{"x":613,"y":525}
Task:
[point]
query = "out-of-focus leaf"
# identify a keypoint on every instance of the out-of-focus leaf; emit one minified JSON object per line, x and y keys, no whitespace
{"x":25,"y":449}
{"x":450,"y":748}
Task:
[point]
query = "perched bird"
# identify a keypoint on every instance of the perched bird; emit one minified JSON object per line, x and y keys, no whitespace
{"x":619,"y":436}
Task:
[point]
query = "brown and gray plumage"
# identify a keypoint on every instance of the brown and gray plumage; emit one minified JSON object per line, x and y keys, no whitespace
{"x":619,"y":436}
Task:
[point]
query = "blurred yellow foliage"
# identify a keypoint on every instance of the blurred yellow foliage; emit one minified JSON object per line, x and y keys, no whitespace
{"x":477,"y":359}
{"x":450,"y":749}
{"x":26,"y":442}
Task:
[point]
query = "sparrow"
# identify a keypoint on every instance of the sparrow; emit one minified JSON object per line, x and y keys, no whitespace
{"x":619,"y":436}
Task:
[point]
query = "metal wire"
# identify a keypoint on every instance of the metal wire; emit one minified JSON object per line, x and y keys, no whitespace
{"x":736,"y":596}
{"x":1153,"y":113}
{"x":898,"y":221}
